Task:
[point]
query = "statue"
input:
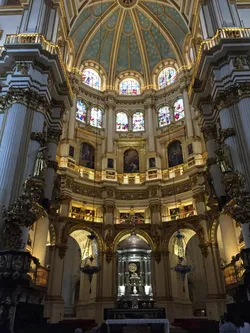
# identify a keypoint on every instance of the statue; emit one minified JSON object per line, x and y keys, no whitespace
{"x":224,"y":159}
{"x":41,"y":162}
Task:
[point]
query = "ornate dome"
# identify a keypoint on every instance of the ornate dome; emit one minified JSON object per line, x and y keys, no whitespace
{"x":128,"y":35}
{"x":133,"y":242}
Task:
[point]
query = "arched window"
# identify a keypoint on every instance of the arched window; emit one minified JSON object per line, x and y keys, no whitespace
{"x":131,"y":161}
{"x":138,"y":122}
{"x":166,"y":77}
{"x":164,"y":117}
{"x":91,"y":78}
{"x":96,"y":117}
{"x":175,"y":156}
{"x":87,"y":156}
{"x":121,"y":122}
{"x":129,"y":87}
{"x":179,"y":109}
{"x":81,"y":111}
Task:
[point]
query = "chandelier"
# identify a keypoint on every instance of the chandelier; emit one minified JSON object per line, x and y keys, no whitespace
{"x":90,"y":265}
{"x":181,"y":267}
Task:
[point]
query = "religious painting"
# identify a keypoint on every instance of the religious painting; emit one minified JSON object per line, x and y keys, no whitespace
{"x":189,"y":210}
{"x":174,"y":213}
{"x":131,"y":161}
{"x":125,"y":217}
{"x":87,"y":156}
{"x":110,"y":163}
{"x":71,"y":151}
{"x":190,"y":149}
{"x":152,"y":163}
{"x":175,"y":156}
{"x":139,"y":218}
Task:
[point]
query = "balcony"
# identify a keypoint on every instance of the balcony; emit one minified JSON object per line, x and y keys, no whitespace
{"x":131,"y":221}
{"x":207,"y":45}
{"x":39,"y":277}
{"x":233,"y":273}
{"x":38,"y":40}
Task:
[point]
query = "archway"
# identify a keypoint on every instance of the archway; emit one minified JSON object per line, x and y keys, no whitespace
{"x":76,"y":290}
{"x":134,"y":272}
{"x":190,"y":293}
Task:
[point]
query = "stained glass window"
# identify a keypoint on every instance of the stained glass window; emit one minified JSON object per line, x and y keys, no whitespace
{"x":91,"y":78}
{"x":138,"y":122}
{"x":96,"y":117}
{"x":121,"y":122}
{"x":129,"y":87}
{"x":166,"y":77}
{"x":164,"y":117}
{"x":81,"y":111}
{"x":179,"y":109}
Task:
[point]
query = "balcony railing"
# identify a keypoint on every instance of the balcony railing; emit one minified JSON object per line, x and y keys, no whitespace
{"x":137,"y":220}
{"x":233,"y":272}
{"x":178,"y":216}
{"x":39,"y":39}
{"x":206,"y":45}
{"x":39,"y":276}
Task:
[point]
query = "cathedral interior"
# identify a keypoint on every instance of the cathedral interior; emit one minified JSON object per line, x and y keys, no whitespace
{"x":124,"y":161}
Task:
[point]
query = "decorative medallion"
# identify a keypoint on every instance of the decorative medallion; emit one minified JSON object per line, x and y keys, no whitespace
{"x":132,"y":267}
{"x":128,"y":3}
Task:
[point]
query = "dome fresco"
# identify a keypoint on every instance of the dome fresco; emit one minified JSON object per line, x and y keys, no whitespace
{"x":128,"y":35}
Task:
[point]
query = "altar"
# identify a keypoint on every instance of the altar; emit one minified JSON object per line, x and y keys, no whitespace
{"x":138,"y":325}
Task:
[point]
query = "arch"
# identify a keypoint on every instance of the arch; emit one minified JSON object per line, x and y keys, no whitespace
{"x":128,"y":75}
{"x":71,"y":227}
{"x":160,"y":67}
{"x":81,"y":111}
{"x":130,"y":87}
{"x":164,"y":116}
{"x":96,"y":117}
{"x":138,"y":122}
{"x":166,"y":77}
{"x":91,"y":78}
{"x":95,"y":66}
{"x":122,"y":234}
{"x":121,"y":121}
{"x":131,"y":161}
{"x":179,"y":111}
{"x":175,"y":156}
{"x":87,"y":155}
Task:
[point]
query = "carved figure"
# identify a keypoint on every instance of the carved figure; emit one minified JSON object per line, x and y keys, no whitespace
{"x":41,"y":162}
{"x":224,"y":159}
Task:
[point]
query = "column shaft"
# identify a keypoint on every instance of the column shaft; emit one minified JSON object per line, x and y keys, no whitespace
{"x":41,"y":234}
{"x":188,"y":117}
{"x":228,"y":237}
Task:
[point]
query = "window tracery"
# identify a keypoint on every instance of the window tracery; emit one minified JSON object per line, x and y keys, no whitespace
{"x":164,"y":116}
{"x":166,"y":77}
{"x":121,"y":122}
{"x":138,"y":122}
{"x":91,"y":78}
{"x":129,"y":86}
{"x":179,"y":112}
{"x":96,"y":117}
{"x":81,"y":111}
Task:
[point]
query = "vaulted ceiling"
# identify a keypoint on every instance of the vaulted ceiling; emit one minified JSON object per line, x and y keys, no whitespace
{"x":129,"y":34}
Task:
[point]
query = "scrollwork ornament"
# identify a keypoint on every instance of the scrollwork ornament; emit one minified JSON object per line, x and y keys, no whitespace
{"x":62,"y":249}
{"x":209,"y":132}
{"x":211,"y":161}
{"x":38,"y":136}
{"x":54,"y":134}
{"x":226,"y":133}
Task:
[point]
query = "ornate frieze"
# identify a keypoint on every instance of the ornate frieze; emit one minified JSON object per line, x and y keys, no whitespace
{"x":180,"y":188}
{"x":85,"y":190}
{"x":131,"y":195}
{"x":209,"y":132}
{"x":54,"y":134}
{"x":52,"y":165}
{"x":226,"y":133}
{"x":29,"y":98}
{"x":232,"y":95}
{"x":37,"y":136}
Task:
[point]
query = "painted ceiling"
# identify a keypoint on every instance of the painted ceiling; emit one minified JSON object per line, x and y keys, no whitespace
{"x":128,"y":34}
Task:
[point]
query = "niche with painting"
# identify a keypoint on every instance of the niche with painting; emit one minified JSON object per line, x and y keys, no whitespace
{"x":175,"y":156}
{"x":87,"y":156}
{"x":131,"y":161}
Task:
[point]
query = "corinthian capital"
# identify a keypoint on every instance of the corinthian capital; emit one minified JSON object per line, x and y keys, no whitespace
{"x":54,"y":134}
{"x":209,"y":132}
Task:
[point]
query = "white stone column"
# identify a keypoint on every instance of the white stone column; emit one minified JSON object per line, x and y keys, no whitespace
{"x":108,"y":212}
{"x":110,"y":127}
{"x":40,"y":239}
{"x":228,"y":237}
{"x":72,"y":120}
{"x":150,"y":126}
{"x":188,"y":116}
{"x":155,"y":209}
{"x":210,"y":136}
{"x":9,"y":148}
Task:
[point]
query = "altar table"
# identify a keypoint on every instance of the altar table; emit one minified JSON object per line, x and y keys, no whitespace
{"x":164,"y":322}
